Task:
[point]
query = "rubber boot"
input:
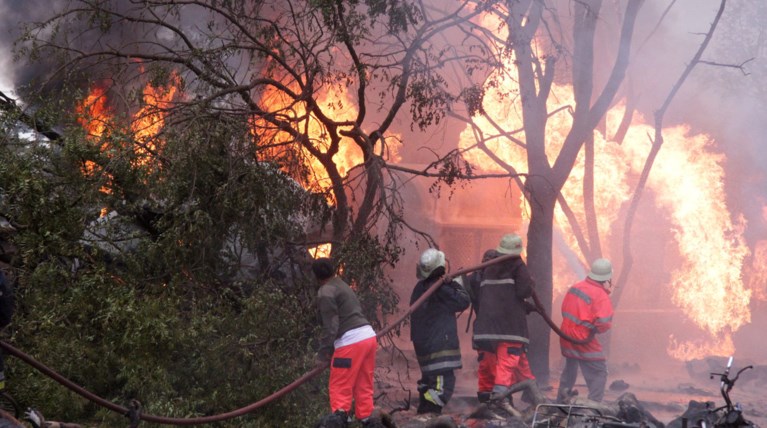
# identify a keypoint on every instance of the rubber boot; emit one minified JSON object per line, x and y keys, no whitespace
{"x":533,"y":395}
{"x":565,"y":394}
{"x":501,"y":402}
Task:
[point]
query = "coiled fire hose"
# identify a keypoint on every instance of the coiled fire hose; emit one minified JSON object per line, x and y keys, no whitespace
{"x":132,"y":412}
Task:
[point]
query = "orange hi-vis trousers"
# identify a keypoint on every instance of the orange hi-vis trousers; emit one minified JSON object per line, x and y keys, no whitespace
{"x":486,"y":372}
{"x":351,"y":377}
{"x":512,"y":365}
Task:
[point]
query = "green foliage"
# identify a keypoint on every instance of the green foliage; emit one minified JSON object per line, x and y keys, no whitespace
{"x":191,"y":293}
{"x":169,"y":316}
{"x":429,"y":102}
{"x":364,"y":260}
{"x":473,"y":97}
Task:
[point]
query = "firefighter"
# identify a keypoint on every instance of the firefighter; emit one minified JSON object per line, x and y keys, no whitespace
{"x":586,"y":310}
{"x":348,"y":343}
{"x":434,"y":332}
{"x":501,"y":325}
{"x":485,"y":353}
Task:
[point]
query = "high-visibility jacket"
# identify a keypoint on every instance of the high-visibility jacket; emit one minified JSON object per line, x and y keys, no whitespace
{"x":586,"y":307}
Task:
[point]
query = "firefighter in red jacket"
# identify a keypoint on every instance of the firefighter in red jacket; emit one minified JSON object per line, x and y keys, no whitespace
{"x":586,"y":311}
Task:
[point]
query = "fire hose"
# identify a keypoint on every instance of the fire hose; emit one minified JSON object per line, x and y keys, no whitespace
{"x":133,"y":413}
{"x":542,"y":312}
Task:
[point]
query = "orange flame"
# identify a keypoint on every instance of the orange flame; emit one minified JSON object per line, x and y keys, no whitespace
{"x":686,"y":180}
{"x":96,"y":117}
{"x":757,"y":271}
{"x":337,"y":104}
{"x":150,"y":119}
{"x":319,"y":251}
{"x":93,"y":113}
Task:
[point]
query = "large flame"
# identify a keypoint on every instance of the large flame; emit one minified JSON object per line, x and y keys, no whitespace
{"x":93,"y":113}
{"x":95,"y":116}
{"x":149,"y":120}
{"x":97,"y":119}
{"x":337,"y":104}
{"x":688,"y":184}
{"x":757,"y":269}
{"x":686,"y":181}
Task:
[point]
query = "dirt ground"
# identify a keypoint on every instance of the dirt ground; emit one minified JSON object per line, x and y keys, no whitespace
{"x":665,"y":393}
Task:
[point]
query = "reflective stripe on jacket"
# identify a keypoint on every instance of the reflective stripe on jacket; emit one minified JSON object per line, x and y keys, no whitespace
{"x":433,"y":327}
{"x":502,"y":316}
{"x":586,"y":307}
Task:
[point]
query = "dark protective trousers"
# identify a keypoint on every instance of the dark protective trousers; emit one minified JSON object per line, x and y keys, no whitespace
{"x":594,"y":372}
{"x":434,"y":391}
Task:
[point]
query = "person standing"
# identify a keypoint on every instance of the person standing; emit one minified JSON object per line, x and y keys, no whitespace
{"x":485,"y":350}
{"x":586,"y":311}
{"x":434,"y":332}
{"x":501,"y":324}
{"x":348,"y":343}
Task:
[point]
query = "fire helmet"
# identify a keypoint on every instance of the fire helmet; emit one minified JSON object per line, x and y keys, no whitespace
{"x":510,"y":243}
{"x":601,"y":270}
{"x":430,"y":259}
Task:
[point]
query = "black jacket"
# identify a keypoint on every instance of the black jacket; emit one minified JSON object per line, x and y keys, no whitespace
{"x":433,"y":327}
{"x":502,"y":313}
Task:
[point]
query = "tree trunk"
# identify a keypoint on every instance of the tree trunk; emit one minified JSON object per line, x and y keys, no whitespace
{"x":539,"y":256}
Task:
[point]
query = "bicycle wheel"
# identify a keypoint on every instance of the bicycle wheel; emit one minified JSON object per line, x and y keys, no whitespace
{"x":8,"y":404}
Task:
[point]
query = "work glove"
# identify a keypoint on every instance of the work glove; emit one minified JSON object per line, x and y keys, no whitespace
{"x":34,"y":417}
{"x":529,"y":307}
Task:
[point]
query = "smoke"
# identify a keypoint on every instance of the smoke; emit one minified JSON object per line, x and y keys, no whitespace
{"x":725,"y":101}
{"x":14,"y":16}
{"x":721,"y":102}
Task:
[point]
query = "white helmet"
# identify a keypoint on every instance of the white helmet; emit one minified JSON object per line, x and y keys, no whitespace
{"x":601,"y":270}
{"x":510,"y":243}
{"x":430,"y":259}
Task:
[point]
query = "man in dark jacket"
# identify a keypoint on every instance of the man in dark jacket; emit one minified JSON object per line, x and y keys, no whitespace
{"x":434,"y":332}
{"x":501,"y":324}
{"x":349,"y":340}
{"x":485,"y":350}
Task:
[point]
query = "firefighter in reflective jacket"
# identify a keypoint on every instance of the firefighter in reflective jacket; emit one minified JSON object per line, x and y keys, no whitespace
{"x":434,"y":332}
{"x":587,"y":310}
{"x":485,"y":357}
{"x":501,"y":325}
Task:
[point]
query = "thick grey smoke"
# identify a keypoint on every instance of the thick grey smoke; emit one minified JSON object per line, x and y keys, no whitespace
{"x":13,"y":16}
